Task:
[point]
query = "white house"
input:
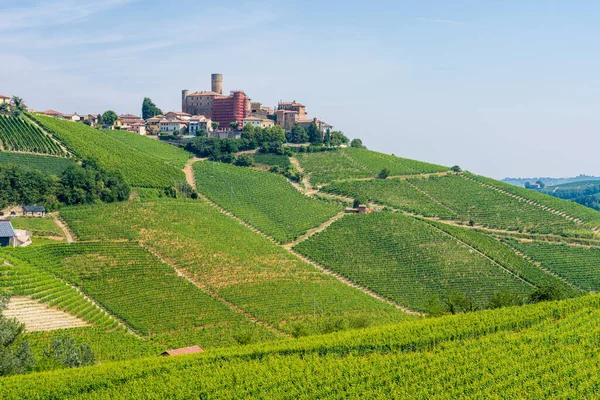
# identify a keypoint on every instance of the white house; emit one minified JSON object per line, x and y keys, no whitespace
{"x":258,"y":122}
{"x":4,"y":99}
{"x":174,"y":127}
{"x":198,"y":123}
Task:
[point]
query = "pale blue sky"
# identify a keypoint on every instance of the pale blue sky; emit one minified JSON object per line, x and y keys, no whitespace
{"x":502,"y":88}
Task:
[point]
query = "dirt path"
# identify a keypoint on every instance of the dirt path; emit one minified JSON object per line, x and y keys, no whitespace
{"x":308,"y":188}
{"x":314,"y":231}
{"x":189,"y":171}
{"x":65,"y":230}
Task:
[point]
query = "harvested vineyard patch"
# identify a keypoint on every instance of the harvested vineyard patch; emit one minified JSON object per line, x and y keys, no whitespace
{"x":39,"y":317}
{"x":163,"y":151}
{"x":392,"y":192}
{"x":237,"y":264}
{"x":138,"y":168}
{"x":264,"y":200}
{"x":375,"y":162}
{"x":46,"y":164}
{"x":329,"y":166}
{"x":408,"y":261}
{"x":18,"y":135}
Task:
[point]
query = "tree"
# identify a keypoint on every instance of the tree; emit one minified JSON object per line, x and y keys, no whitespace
{"x":215,"y":125}
{"x":67,"y":352}
{"x":248,"y":132}
{"x":201,"y":133}
{"x":149,"y":109}
{"x":456,"y":168}
{"x":4,"y":108}
{"x":547,"y":292}
{"x":234,"y":125}
{"x":357,"y":144}
{"x":19,"y":106}
{"x":358,"y":201}
{"x":542,"y":184}
{"x":87,"y":122}
{"x":298,"y":135}
{"x":505,"y":299}
{"x":109,"y":117}
{"x":338,"y":138}
{"x":244,"y":160}
{"x":14,"y":358}
{"x":314,"y":135}
{"x":384,"y":173}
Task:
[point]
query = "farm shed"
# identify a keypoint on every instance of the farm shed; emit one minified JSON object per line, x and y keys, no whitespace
{"x":182,"y":351}
{"x":7,"y":234}
{"x":34,"y":211}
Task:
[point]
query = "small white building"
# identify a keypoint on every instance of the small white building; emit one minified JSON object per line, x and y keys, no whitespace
{"x":4,"y":99}
{"x":173,"y":127}
{"x":198,"y":123}
{"x":258,"y":122}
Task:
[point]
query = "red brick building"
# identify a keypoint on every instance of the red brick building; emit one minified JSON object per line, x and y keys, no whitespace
{"x":229,"y":109}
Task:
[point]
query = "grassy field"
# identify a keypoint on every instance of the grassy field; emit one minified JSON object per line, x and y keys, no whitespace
{"x":38,"y":226}
{"x":237,"y":264}
{"x":546,"y":350}
{"x":138,"y":168}
{"x":266,"y":201}
{"x":406,"y":260}
{"x":163,"y":151}
{"x":46,"y":164}
{"x":375,"y":162}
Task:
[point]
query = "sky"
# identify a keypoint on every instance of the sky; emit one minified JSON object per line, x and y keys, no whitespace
{"x":501,"y":88}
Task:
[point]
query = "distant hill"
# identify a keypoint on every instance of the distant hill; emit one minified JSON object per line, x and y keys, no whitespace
{"x":586,"y":193}
{"x":550,"y":181}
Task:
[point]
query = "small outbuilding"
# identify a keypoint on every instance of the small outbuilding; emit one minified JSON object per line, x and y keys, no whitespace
{"x":7,"y":234}
{"x":182,"y":351}
{"x":34,"y":211}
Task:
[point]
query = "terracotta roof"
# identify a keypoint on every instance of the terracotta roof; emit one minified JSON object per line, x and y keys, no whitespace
{"x":4,"y":97}
{"x":179,"y":113}
{"x":291,"y":103}
{"x":196,"y":94}
{"x":129,"y":116}
{"x":52,"y":112}
{"x":185,"y":350}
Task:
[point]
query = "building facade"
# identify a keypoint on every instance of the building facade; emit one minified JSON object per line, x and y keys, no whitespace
{"x":230,"y":109}
{"x":173,"y":127}
{"x":258,"y":122}
{"x":199,"y":123}
{"x":4,"y":99}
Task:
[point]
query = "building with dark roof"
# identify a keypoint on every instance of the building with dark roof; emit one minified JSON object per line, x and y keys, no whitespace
{"x":34,"y":211}
{"x":7,"y":233}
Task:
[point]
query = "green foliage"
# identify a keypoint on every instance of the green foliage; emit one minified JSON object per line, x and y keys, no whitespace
{"x":39,"y":226}
{"x":406,"y":260}
{"x":109,"y":117}
{"x":238,"y":265}
{"x":280,"y":160}
{"x":69,"y":353}
{"x":314,"y":135}
{"x":384,"y":173}
{"x":14,"y":358}
{"x":173,"y":155}
{"x":357,"y":144}
{"x":138,"y":168}
{"x":337,"y":138}
{"x":244,"y":160}
{"x":324,"y":167}
{"x":506,"y":299}
{"x":547,"y":293}
{"x":19,"y":135}
{"x":374,"y":161}
{"x":431,"y":358}
{"x":456,"y":168}
{"x":264,"y":200}
{"x":149,"y":109}
{"x":297,"y":135}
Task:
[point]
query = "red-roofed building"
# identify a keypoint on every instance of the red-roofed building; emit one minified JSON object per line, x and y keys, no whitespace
{"x":4,"y":99}
{"x":183,"y":351}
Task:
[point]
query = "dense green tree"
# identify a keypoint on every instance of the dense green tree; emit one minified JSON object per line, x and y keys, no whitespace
{"x":244,"y":160}
{"x":357,"y":143}
{"x":109,"y":117}
{"x":69,"y":353}
{"x":337,"y":138}
{"x":314,"y":134}
{"x":15,"y":356}
{"x":215,"y":125}
{"x":234,"y":125}
{"x":456,"y":168}
{"x":149,"y":109}
{"x":384,"y":173}
{"x":297,"y":135}
{"x":548,"y":292}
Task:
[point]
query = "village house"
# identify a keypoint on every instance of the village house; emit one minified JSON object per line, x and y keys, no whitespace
{"x":153,"y":124}
{"x":173,"y":127}
{"x":34,"y":211}
{"x":4,"y":99}
{"x":258,"y":122}
{"x":199,"y":123}
{"x":7,"y":234}
{"x":178,"y":115}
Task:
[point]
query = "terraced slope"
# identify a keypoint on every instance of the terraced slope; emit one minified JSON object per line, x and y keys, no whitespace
{"x":137,"y":287}
{"x":138,"y":169}
{"x":331,"y":166}
{"x":541,"y":351}
{"x":578,"y":264}
{"x":282,"y":161}
{"x":396,"y":193}
{"x":236,"y":264}
{"x":375,"y":162}
{"x":407,"y":260}
{"x":163,"y":151}
{"x":264,"y":200}
{"x":19,"y":135}
{"x":491,"y":208}
{"x":46,"y":164}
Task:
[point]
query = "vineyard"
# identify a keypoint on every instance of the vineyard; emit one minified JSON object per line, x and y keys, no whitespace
{"x":18,"y":135}
{"x":331,"y":166}
{"x":392,"y":192}
{"x":546,"y":350}
{"x":282,"y":161}
{"x":134,"y":285}
{"x":490,"y":208}
{"x":264,"y":200}
{"x":22,"y":279}
{"x":407,"y":260}
{"x":375,"y":162}
{"x":46,"y":164}
{"x":163,"y":151}
{"x":138,"y":168}
{"x":233,"y":262}
{"x":578,"y":264}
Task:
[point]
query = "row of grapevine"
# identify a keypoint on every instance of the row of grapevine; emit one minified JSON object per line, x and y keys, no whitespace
{"x":264,"y":200}
{"x":540,"y":351}
{"x":375,"y":162}
{"x":282,"y":161}
{"x":138,"y":169}
{"x":132,"y":284}
{"x":18,"y":135}
{"x":406,"y":260}
{"x":237,"y":264}
{"x":46,"y":164}
{"x":396,"y":193}
{"x":325,"y":167}
{"x":23,"y":279}
{"x":578,"y":264}
{"x":163,"y":151}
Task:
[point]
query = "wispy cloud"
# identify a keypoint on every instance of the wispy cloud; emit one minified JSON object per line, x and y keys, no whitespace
{"x":55,"y":12}
{"x":450,"y":22}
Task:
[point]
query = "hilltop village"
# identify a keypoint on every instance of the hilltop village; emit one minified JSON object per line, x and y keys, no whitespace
{"x":203,"y":113}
